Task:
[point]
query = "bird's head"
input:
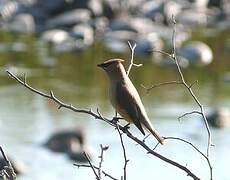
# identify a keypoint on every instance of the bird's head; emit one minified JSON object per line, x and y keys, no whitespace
{"x":114,"y":68}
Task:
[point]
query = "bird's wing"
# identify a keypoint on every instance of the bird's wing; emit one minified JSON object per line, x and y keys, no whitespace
{"x":127,"y":103}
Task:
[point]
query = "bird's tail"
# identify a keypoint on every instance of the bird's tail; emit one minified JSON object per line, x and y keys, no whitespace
{"x":156,"y":135}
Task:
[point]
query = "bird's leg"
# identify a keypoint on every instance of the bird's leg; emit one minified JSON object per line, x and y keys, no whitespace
{"x":116,"y":118}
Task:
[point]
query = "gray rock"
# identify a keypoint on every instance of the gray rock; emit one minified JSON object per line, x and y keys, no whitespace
{"x":153,"y":10}
{"x":142,"y":25}
{"x":111,"y":8}
{"x":100,"y":25}
{"x":55,"y":36}
{"x":8,"y":10}
{"x":96,"y":7}
{"x":69,"y":18}
{"x":226,"y":77}
{"x":121,"y":25}
{"x":121,"y":35}
{"x":220,"y":118}
{"x":117,"y":41}
{"x":22,"y":23}
{"x":60,"y":40}
{"x":70,"y":142}
{"x":146,"y":44}
{"x":193,"y":17}
{"x":197,"y":53}
{"x":84,"y":36}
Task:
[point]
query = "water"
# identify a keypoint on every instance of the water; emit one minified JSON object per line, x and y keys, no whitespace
{"x":27,"y":120}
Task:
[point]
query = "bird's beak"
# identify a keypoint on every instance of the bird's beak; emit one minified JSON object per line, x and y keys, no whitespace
{"x":101,"y":66}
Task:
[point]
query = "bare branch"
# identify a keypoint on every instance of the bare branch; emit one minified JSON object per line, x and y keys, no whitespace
{"x":92,"y":167}
{"x":110,"y":122}
{"x":189,"y":89}
{"x":124,"y":153}
{"x":189,"y":113}
{"x":194,"y":147}
{"x":148,"y":89}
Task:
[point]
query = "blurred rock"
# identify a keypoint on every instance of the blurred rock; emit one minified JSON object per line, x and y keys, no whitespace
{"x":193,"y":17}
{"x":197,"y":53}
{"x":200,"y":4}
{"x":8,"y":10}
{"x":13,"y":47}
{"x":60,"y":40}
{"x":111,"y":8}
{"x":153,"y":10}
{"x":70,"y":18}
{"x":220,"y":118}
{"x":55,"y":7}
{"x":146,"y":44}
{"x":70,"y":142}
{"x":22,"y":23}
{"x":121,"y":25}
{"x":96,"y":7}
{"x":226,"y":77}
{"x":84,"y":36}
{"x":117,"y":41}
{"x":100,"y":25}
{"x":141,"y":25}
{"x":55,"y":36}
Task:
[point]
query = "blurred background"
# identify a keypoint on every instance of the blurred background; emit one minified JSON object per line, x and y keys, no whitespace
{"x":58,"y":44}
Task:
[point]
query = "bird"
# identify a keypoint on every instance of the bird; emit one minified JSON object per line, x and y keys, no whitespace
{"x":125,"y":98}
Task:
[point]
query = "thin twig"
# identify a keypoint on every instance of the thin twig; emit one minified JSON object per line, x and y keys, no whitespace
{"x":162,"y":52}
{"x":148,"y":89}
{"x":194,"y":147}
{"x":103,"y":148}
{"x":95,"y":167}
{"x":124,"y":153}
{"x":92,"y":167}
{"x":189,"y":113}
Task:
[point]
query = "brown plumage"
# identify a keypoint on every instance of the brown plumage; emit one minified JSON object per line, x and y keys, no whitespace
{"x":125,"y":98}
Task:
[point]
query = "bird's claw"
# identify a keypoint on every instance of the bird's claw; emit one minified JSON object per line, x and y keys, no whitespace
{"x":115,"y":120}
{"x":126,"y":127}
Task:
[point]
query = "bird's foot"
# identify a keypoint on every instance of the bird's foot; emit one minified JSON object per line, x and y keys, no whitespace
{"x":126,"y":127}
{"x":116,"y":119}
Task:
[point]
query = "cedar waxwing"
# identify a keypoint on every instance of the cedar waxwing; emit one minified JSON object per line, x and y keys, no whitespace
{"x":125,"y":98}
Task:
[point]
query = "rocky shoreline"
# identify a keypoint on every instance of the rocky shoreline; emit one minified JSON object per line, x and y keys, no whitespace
{"x":73,"y":25}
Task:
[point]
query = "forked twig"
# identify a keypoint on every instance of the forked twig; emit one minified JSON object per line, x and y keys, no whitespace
{"x":182,"y":81}
{"x":131,"y":64}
